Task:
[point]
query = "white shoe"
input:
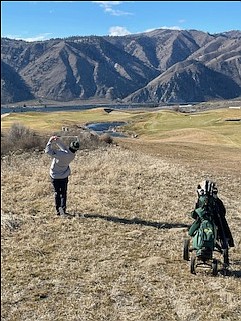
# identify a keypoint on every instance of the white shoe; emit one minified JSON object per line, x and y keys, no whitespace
{"x":61,"y":211}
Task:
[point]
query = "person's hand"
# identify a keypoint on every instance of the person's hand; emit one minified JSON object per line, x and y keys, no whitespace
{"x":53,"y":138}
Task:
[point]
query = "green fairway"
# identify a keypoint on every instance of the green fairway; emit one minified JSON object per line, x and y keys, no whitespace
{"x":220,"y":126}
{"x":42,"y":121}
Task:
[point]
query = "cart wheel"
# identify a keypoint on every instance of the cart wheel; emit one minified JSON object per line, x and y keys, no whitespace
{"x":186,"y":249}
{"x":214,"y":267}
{"x":226,"y":257}
{"x":193,"y":265}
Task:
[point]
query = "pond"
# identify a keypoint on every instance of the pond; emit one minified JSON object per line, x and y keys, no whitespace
{"x":107,"y":127}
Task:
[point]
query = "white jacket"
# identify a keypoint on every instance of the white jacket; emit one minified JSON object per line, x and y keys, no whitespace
{"x":61,"y":159}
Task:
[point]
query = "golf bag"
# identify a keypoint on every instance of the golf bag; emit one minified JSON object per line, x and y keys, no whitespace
{"x":204,"y":229}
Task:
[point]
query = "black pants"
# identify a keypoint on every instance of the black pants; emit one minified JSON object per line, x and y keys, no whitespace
{"x":60,"y":192}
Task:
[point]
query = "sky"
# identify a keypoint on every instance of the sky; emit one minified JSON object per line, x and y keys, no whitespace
{"x":42,"y":20}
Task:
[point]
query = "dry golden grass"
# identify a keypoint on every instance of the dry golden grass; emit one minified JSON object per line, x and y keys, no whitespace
{"x":118,"y":257}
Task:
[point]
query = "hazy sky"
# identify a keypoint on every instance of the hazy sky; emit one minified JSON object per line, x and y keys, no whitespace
{"x":41,"y":20}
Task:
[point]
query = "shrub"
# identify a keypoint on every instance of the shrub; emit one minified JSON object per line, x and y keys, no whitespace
{"x":106,"y":138}
{"x":88,"y":139}
{"x":20,"y":137}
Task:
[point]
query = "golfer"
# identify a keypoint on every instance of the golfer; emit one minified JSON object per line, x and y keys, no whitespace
{"x":60,"y":170}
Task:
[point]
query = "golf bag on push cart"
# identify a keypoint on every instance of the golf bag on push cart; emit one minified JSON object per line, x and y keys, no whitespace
{"x":209,"y":232}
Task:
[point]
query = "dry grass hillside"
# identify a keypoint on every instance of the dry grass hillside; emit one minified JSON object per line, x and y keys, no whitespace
{"x":118,"y":255}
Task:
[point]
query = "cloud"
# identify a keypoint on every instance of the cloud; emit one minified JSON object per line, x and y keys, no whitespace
{"x":108,"y":7}
{"x":118,"y":31}
{"x":41,"y":37}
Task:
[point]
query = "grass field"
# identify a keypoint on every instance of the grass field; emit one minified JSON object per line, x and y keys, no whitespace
{"x":118,"y":257}
{"x":47,"y":122}
{"x":221,"y":126}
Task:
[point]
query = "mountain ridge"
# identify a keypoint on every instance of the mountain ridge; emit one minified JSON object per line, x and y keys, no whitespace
{"x":146,"y":67}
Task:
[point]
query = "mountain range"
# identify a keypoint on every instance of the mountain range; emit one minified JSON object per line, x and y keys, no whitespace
{"x":170,"y":66}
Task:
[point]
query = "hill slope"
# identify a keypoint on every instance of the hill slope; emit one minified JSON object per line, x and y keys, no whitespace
{"x":117,"y":68}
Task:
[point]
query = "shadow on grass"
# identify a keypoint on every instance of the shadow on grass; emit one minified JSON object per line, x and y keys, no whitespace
{"x":158,"y":225}
{"x":236,"y":274}
{"x":233,"y":273}
{"x":135,"y":220}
